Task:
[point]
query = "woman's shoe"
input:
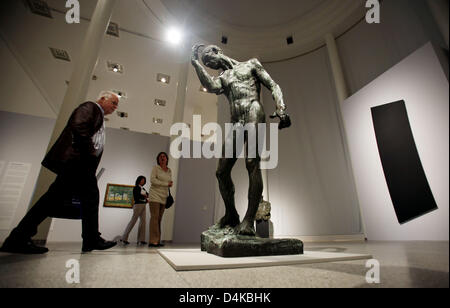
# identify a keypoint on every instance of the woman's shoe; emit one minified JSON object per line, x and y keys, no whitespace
{"x":142,"y":243}
{"x":160,"y":245}
{"x":125,"y":243}
{"x":153,"y":245}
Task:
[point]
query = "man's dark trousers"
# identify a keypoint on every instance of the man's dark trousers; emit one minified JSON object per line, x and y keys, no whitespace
{"x":77,"y":179}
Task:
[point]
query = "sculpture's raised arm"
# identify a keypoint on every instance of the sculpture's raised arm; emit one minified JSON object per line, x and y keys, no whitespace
{"x":212,"y":84}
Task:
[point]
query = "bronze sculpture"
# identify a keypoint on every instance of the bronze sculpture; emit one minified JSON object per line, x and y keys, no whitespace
{"x":241,"y":83}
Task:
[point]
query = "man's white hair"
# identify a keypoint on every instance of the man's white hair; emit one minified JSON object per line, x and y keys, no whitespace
{"x":107,"y":95}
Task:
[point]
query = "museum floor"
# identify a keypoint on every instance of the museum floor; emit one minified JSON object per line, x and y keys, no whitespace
{"x":402,"y":264}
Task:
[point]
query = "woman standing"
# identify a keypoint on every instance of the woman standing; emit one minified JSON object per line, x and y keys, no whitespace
{"x":161,"y":181}
{"x":140,"y":196}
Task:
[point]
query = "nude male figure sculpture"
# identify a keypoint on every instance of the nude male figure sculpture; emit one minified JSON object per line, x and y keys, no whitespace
{"x":241,"y":83}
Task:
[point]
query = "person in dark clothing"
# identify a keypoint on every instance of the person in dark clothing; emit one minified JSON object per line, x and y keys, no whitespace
{"x":140,"y":197}
{"x":74,"y":157}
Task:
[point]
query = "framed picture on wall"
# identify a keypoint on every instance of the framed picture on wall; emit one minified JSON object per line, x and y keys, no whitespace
{"x":118,"y":195}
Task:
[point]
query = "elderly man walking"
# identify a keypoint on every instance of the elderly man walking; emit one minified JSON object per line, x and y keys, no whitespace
{"x":74,"y":157}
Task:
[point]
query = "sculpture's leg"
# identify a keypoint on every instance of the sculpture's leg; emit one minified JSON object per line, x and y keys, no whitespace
{"x":254,"y":197}
{"x":226,"y":187}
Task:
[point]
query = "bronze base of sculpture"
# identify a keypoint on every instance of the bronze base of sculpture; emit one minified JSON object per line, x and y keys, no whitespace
{"x":224,"y":242}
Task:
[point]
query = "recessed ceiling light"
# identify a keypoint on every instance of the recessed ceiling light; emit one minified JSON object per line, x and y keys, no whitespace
{"x":174,"y":36}
{"x":120,"y":93}
{"x":60,"y":54}
{"x":160,"y":102}
{"x":203,"y":89}
{"x":113,"y":29}
{"x":163,"y":78}
{"x":157,"y":121}
{"x":40,"y":7}
{"x":115,"y":67}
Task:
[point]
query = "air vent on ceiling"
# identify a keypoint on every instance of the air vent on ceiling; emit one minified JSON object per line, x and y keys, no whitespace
{"x":157,"y":121}
{"x":60,"y":54}
{"x":40,"y":7}
{"x":163,"y":78}
{"x":290,"y":40}
{"x":115,"y":67}
{"x":224,"y":40}
{"x":122,"y":114}
{"x":113,"y":29}
{"x":160,"y":102}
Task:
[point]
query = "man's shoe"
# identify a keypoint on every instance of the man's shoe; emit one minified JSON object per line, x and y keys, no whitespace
{"x":99,"y":244}
{"x":25,"y":247}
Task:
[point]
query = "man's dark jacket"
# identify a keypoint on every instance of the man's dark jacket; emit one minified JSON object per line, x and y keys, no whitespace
{"x":74,"y":146}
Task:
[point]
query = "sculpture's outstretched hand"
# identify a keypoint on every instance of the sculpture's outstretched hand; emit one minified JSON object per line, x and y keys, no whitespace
{"x":285,"y":120}
{"x":194,"y":54}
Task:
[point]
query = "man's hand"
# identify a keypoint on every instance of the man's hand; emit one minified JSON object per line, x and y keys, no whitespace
{"x":194,"y":55}
{"x":285,"y":120}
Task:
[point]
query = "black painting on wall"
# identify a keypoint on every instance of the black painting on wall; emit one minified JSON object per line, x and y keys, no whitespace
{"x":406,"y":180}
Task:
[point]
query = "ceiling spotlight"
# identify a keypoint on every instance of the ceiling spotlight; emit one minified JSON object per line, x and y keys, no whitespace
{"x":115,"y":67}
{"x":120,"y":94}
{"x":163,"y":78}
{"x":174,"y":36}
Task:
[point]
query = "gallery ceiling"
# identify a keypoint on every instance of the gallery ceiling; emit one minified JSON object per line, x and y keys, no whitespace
{"x":260,"y":28}
{"x":253,"y":28}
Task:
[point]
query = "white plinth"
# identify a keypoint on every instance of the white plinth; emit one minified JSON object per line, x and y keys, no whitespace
{"x":195,"y":259}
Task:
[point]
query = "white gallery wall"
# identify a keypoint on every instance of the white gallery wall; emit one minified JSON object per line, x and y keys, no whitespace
{"x":17,"y":87}
{"x":368,"y":50}
{"x":195,"y":199}
{"x":420,"y":81}
{"x":24,"y":139}
{"x":311,"y":189}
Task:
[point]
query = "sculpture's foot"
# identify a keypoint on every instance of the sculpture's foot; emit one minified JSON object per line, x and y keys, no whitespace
{"x":229,"y":220}
{"x":246,"y":228}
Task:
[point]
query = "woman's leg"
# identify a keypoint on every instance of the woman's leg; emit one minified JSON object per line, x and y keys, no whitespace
{"x":136,"y":214}
{"x":162,"y":208}
{"x":154,"y":223}
{"x":142,"y":219}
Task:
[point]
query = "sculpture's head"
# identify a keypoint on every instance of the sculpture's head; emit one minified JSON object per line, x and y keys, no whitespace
{"x":211,"y":56}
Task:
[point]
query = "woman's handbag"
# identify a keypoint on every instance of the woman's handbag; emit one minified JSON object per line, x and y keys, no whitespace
{"x":169,"y":200}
